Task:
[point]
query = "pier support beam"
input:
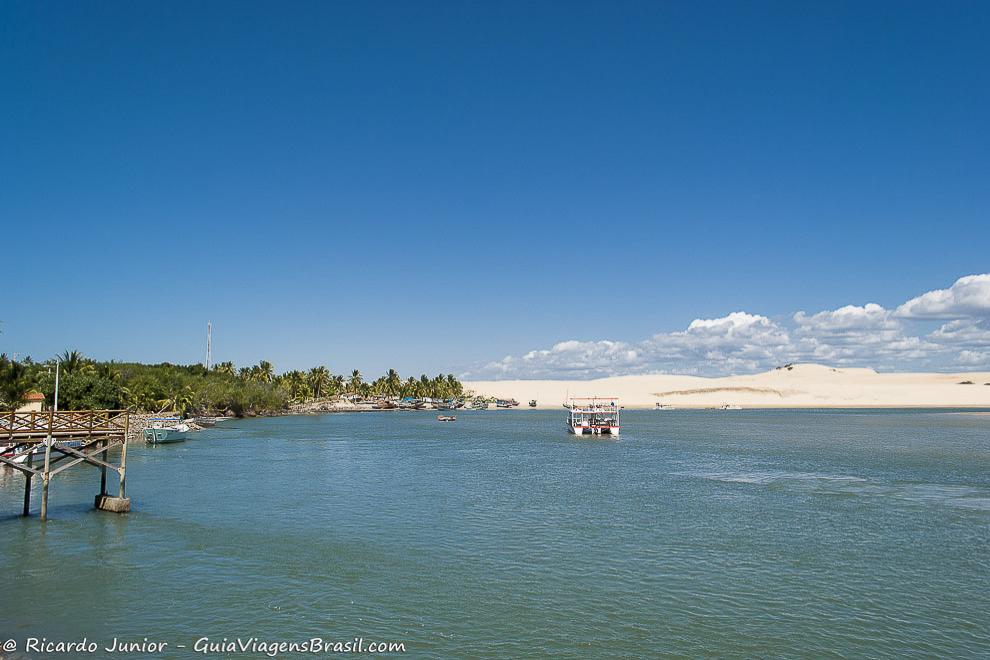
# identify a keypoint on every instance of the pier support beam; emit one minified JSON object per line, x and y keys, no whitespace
{"x":27,"y":488}
{"x":123,"y":460}
{"x":45,"y":478}
{"x":103,"y":469}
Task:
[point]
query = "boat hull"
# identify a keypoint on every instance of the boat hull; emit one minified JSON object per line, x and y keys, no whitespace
{"x":39,"y":451}
{"x":163,"y":436}
{"x":594,"y":430}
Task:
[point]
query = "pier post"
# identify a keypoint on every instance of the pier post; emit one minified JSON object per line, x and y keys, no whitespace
{"x":123,"y":458}
{"x":46,"y":477}
{"x":27,"y":487}
{"x":103,"y":469}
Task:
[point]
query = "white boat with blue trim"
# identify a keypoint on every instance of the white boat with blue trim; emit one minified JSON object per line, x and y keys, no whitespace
{"x":162,"y":430}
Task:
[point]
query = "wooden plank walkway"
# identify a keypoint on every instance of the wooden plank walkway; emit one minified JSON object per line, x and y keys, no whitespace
{"x":69,"y":438}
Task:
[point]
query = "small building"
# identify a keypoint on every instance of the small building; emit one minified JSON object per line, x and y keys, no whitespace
{"x":33,"y":402}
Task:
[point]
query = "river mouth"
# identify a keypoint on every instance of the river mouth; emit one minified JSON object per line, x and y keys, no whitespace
{"x":775,"y":534}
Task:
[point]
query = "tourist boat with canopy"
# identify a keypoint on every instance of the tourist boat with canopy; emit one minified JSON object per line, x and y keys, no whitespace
{"x":593,"y":416}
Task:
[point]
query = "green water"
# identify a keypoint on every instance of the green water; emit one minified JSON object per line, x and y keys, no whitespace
{"x":698,"y":534}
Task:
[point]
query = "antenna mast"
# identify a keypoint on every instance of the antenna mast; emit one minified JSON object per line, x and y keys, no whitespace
{"x":209,"y":344}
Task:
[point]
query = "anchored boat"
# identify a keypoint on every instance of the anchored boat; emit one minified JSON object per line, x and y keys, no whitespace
{"x":161,"y":430}
{"x":593,"y":416}
{"x":10,"y":451}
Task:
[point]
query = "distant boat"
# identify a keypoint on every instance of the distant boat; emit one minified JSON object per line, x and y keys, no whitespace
{"x":449,"y":404}
{"x":726,"y":406}
{"x":446,"y":418}
{"x":532,"y":403}
{"x":479,"y":404}
{"x":665,"y":406}
{"x":162,"y":430}
{"x":506,"y":403}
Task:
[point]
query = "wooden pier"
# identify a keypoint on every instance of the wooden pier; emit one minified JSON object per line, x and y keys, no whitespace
{"x":69,"y":438}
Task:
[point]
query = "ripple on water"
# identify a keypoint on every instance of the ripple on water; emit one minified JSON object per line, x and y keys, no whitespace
{"x":968,"y":497}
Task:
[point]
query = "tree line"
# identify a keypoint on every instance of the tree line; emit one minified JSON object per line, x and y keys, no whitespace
{"x":86,"y":384}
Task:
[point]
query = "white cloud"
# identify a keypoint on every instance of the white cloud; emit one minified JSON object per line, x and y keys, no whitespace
{"x":973,"y":359}
{"x":968,"y":297}
{"x":869,"y":335}
{"x":963,"y":332}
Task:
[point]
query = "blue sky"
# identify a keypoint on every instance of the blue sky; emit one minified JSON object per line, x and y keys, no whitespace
{"x":435,"y":186}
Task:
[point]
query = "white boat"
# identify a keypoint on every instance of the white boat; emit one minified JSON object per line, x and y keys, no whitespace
{"x":593,"y":416}
{"x":726,"y":406}
{"x":161,"y":430}
{"x":39,"y":451}
{"x":665,"y":406}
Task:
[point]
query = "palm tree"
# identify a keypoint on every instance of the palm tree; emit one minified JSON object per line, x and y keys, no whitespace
{"x":356,"y":381}
{"x":266,"y":371}
{"x":319,"y":379}
{"x":393,"y":382}
{"x":225,"y":369}
{"x":74,"y":362}
{"x":180,"y":401}
{"x":108,"y":370}
{"x":14,"y":381}
{"x":337,"y":383}
{"x":296,"y":382}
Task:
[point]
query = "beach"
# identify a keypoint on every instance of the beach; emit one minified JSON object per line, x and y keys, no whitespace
{"x":793,"y":386}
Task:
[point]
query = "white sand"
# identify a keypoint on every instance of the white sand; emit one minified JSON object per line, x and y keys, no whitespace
{"x":801,"y":386}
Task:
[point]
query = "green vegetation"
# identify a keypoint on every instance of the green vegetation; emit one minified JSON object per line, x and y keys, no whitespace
{"x":193,"y":390}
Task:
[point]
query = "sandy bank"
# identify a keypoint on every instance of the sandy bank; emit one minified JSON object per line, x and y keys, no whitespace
{"x":797,"y":386}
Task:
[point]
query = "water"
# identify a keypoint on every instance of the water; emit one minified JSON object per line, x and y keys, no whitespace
{"x":746,"y":534}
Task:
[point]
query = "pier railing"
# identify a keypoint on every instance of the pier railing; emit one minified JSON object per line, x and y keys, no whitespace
{"x":62,"y":424}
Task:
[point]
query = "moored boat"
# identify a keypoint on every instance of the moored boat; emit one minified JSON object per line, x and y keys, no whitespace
{"x":446,"y":418}
{"x":532,"y":403}
{"x":162,"y":430}
{"x":37,"y":451}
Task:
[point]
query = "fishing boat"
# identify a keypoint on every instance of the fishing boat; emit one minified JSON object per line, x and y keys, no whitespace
{"x":446,"y":418}
{"x":448,"y":404}
{"x":162,"y":430}
{"x":726,"y":406}
{"x":665,"y":406}
{"x":479,"y":404}
{"x":593,"y":416}
{"x":532,"y":403}
{"x":506,"y":403}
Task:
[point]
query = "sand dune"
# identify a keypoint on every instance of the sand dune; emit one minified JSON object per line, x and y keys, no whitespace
{"x":796,"y":386}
